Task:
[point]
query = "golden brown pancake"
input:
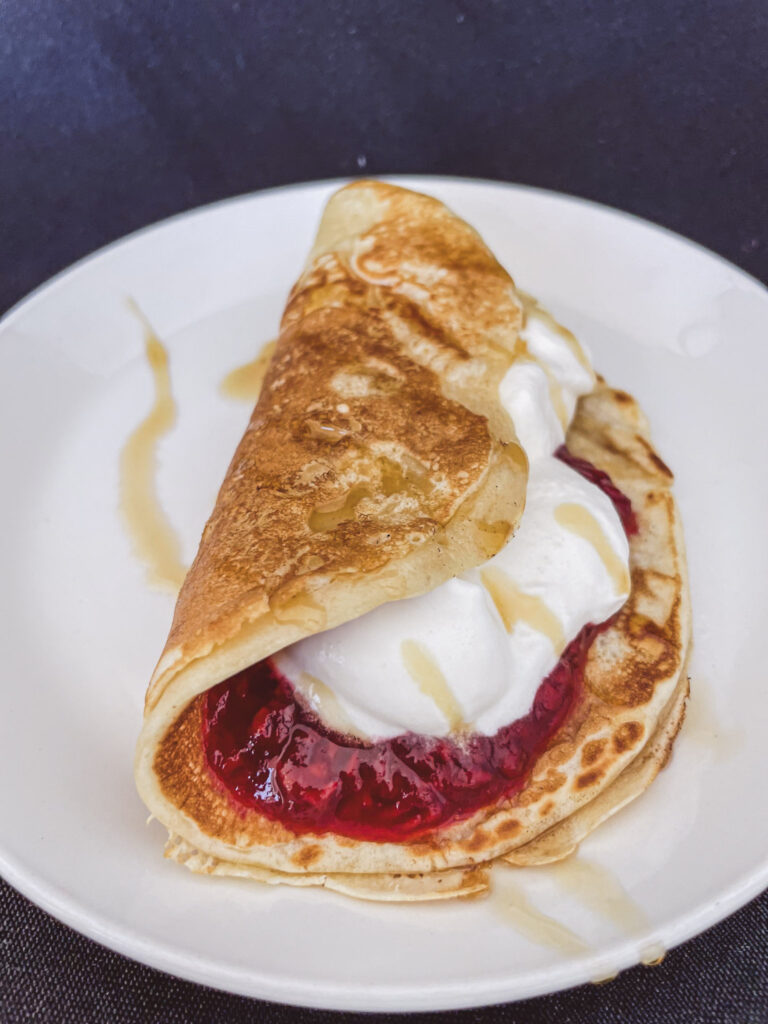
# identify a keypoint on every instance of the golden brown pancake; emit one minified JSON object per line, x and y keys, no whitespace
{"x":378,"y":463}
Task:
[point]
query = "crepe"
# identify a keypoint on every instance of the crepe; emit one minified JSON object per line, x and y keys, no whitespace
{"x":377,"y":464}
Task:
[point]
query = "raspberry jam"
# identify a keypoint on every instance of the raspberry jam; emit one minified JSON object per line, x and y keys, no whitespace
{"x":272,"y":754}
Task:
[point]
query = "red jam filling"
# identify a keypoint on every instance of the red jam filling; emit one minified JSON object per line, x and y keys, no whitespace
{"x":272,"y":754}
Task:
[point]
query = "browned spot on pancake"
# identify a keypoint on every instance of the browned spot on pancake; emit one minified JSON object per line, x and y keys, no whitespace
{"x":428,"y":326}
{"x":621,"y":454}
{"x":659,"y":463}
{"x":257,"y":542}
{"x":647,"y":582}
{"x":589,"y":778}
{"x":592,"y":752}
{"x":553,"y":782}
{"x":627,"y":736}
{"x":507,"y":829}
{"x":479,"y":841}
{"x":419,"y":849}
{"x":307,"y":856}
{"x":626,"y":663}
{"x":623,"y":398}
{"x":560,"y":754}
{"x":476,"y":894}
{"x":536,"y":790}
{"x":546,"y":808}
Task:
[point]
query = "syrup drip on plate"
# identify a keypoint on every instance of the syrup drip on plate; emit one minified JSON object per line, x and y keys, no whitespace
{"x":601,"y":891}
{"x":596,"y":888}
{"x":510,"y":902}
{"x":152,"y":535}
{"x":154,"y":539}
{"x":244,"y":382}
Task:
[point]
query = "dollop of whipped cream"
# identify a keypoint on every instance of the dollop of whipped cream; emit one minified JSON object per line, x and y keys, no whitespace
{"x":471,"y":654}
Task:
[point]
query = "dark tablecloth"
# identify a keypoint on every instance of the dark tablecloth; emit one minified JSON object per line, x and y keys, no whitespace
{"x":115,"y":113}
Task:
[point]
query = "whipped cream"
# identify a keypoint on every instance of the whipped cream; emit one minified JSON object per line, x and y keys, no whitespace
{"x":471,"y":653}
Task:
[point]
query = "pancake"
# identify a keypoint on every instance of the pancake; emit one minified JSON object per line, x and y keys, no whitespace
{"x":555,"y":844}
{"x":378,"y":463}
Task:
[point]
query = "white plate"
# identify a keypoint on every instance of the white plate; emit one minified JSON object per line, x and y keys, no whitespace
{"x":678,"y":327}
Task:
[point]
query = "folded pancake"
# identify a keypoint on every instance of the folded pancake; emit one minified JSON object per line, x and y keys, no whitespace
{"x":377,"y":463}
{"x":380,"y":462}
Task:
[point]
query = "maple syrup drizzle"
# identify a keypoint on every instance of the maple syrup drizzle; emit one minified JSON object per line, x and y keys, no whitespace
{"x":580,"y":521}
{"x":594,"y":886}
{"x":393,"y":479}
{"x":523,"y":352}
{"x":426,"y":673}
{"x":154,"y":539}
{"x":325,"y":431}
{"x":516,"y":606}
{"x":557,"y":400}
{"x":510,"y":902}
{"x":532,"y":308}
{"x":491,"y":535}
{"x":340,"y":509}
{"x":652,"y":955}
{"x":326,"y":705}
{"x":244,"y":382}
{"x":600,"y":890}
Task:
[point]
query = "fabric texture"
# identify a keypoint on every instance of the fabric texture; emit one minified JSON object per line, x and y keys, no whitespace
{"x":118,"y":113}
{"x":50,"y":973}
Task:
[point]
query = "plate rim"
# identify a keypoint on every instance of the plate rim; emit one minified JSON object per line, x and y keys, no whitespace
{"x":316,"y":994}
{"x":406,"y":180}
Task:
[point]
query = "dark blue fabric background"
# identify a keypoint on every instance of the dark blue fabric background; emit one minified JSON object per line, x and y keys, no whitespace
{"x":115,"y":113}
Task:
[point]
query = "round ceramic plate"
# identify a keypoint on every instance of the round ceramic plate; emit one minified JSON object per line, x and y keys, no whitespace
{"x":673,"y":324}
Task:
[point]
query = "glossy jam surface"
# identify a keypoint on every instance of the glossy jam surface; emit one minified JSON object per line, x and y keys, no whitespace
{"x":272,"y":754}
